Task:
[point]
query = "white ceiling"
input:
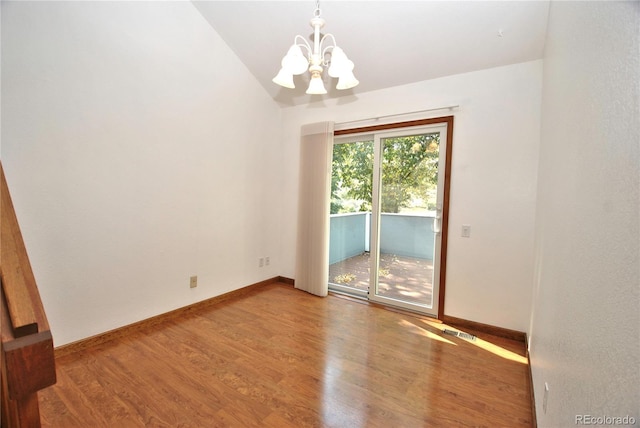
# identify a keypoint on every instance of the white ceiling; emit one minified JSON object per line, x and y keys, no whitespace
{"x":391,"y":42}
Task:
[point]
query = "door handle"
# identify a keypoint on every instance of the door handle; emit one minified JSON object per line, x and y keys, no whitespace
{"x":437,"y":220}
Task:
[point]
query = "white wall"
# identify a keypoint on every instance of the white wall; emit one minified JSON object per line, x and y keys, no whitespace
{"x":494,"y":164}
{"x":585,"y":327}
{"x":139,"y":151}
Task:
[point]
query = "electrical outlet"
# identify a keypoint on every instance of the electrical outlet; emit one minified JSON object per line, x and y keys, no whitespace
{"x":261,"y":262}
{"x":193,"y":282}
{"x":267,"y":261}
{"x":545,"y":397}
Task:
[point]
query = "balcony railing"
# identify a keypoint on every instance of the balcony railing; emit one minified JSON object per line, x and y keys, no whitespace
{"x":404,"y":235}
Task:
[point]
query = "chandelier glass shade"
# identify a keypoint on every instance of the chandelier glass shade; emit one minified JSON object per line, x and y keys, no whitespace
{"x":303,"y":57}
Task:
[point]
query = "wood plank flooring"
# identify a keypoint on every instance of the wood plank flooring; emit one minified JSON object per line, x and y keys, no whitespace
{"x":279,"y":357}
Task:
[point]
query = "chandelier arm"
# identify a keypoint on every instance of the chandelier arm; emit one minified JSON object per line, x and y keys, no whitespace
{"x":326,"y":49}
{"x":324,"y":53}
{"x":326,"y":36}
{"x":304,"y":44}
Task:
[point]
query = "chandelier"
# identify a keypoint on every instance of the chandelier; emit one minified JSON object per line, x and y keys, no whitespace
{"x":295,"y":62}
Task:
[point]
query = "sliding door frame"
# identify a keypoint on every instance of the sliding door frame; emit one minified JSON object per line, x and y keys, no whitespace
{"x":448,"y":120}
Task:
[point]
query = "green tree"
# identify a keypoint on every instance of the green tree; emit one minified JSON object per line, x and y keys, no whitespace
{"x":409,"y":170}
{"x":351,"y":175}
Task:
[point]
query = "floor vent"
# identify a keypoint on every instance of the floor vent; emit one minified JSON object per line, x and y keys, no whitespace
{"x":459,"y":334}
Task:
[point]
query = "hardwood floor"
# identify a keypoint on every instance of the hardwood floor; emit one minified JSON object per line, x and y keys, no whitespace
{"x":279,"y":357}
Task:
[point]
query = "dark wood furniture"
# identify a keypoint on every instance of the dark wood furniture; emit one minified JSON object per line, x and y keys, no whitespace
{"x":27,"y":355}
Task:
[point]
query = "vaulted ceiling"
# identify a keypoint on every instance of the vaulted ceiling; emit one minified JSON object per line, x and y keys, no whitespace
{"x":391,"y":42}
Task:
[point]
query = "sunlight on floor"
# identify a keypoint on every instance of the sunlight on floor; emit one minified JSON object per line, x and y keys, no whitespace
{"x":426,"y":333}
{"x":483,"y":344}
{"x":410,"y":294}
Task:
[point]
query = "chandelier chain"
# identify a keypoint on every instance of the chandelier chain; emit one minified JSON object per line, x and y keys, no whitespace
{"x":316,"y":12}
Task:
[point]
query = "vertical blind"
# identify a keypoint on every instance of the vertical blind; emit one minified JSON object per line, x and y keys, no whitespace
{"x":312,"y":251}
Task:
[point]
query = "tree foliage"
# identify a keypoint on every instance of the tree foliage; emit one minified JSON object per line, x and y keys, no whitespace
{"x":409,"y":170}
{"x":351,"y":176}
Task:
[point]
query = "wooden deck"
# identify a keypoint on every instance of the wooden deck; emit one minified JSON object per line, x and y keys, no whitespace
{"x":403,"y":278}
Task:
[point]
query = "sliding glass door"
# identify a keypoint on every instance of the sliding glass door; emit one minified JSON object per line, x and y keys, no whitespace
{"x":387,"y":215}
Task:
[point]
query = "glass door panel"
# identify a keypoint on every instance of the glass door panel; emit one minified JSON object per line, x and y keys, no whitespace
{"x":409,"y":203}
{"x":350,"y":217}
